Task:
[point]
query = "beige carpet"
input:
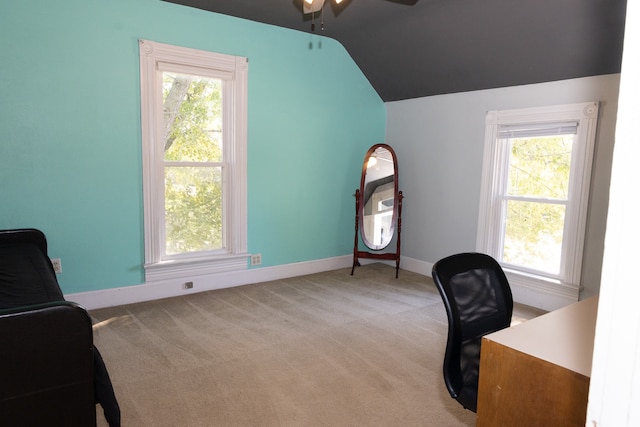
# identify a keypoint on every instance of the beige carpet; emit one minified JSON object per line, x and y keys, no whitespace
{"x":326,"y":349}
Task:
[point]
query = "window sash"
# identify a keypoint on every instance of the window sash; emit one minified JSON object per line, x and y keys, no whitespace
{"x":531,"y":268}
{"x":532,"y":130}
{"x":167,"y":255}
{"x":175,"y":67}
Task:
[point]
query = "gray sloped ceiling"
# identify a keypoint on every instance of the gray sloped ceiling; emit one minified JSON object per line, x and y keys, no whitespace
{"x":415,"y":48}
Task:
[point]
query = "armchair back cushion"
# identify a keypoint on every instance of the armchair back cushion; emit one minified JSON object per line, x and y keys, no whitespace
{"x":26,"y":276}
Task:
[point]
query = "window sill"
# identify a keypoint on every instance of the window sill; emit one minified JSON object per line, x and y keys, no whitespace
{"x":188,"y":268}
{"x":561,"y":293}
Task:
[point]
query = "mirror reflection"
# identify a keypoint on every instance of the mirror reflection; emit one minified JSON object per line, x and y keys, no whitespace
{"x":378,"y":198}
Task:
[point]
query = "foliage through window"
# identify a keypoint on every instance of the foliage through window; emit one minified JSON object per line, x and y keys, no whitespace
{"x":193,"y":162}
{"x":535,"y":190}
{"x":194,"y":147}
{"x":536,"y":198}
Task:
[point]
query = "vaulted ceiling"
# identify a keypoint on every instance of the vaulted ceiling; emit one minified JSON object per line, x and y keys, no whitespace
{"x":415,"y":48}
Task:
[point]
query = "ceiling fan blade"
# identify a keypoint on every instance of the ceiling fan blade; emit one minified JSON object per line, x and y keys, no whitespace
{"x":338,"y":7}
{"x":405,"y":2}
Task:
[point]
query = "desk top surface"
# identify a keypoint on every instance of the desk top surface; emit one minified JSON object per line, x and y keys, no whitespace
{"x":563,"y":337}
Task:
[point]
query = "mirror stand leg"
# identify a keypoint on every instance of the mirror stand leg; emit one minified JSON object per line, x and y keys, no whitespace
{"x":356,"y":263}
{"x":400,"y":197}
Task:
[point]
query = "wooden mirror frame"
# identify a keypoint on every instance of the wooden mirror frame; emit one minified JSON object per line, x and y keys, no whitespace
{"x":396,"y":220}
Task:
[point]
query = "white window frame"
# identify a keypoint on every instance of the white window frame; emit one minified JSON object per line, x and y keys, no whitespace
{"x":233,"y":70}
{"x":565,"y":287}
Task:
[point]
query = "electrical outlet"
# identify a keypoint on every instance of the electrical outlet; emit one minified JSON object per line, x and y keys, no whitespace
{"x":256,"y":259}
{"x":57,"y":265}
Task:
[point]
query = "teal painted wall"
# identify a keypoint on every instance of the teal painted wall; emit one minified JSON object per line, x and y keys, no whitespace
{"x":70,"y":150}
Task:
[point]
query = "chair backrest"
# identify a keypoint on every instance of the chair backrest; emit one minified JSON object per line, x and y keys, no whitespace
{"x":26,"y":273}
{"x":478,"y":301}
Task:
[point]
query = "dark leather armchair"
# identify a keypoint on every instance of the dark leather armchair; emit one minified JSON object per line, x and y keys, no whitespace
{"x":50,"y":371}
{"x":478,"y":301}
{"x":46,"y":366}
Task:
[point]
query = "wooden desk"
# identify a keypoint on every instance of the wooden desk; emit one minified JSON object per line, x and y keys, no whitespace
{"x":537,"y":373}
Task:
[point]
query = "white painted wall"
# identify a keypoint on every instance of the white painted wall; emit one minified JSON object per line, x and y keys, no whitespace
{"x":615,"y":375}
{"x":439,"y":142}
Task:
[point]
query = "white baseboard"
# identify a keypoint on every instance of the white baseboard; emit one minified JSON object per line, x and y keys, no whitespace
{"x":152,"y":291}
{"x":416,"y":266}
{"x":409,"y":264}
{"x":543,"y":298}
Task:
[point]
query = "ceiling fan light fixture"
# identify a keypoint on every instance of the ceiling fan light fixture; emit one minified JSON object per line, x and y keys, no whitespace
{"x":312,"y":6}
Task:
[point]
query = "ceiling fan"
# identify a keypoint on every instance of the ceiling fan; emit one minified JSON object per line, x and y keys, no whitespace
{"x":311,"y":7}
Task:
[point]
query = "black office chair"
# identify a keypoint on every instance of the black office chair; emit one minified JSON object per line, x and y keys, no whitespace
{"x":478,"y":301}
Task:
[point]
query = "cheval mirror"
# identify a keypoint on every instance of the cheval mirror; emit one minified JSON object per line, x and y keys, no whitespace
{"x":378,"y":207}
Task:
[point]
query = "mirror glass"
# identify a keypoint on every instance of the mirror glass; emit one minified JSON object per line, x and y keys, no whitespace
{"x":378,"y":190}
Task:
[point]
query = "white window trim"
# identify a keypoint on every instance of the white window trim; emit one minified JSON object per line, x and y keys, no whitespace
{"x":234,"y":70}
{"x":566,"y":288}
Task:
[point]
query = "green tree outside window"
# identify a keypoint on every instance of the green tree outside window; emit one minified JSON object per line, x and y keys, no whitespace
{"x":193,"y":159}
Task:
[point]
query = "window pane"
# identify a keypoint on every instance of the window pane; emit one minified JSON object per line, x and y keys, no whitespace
{"x":533,"y":235}
{"x":192,"y":108}
{"x":193,"y":209}
{"x":539,"y":167}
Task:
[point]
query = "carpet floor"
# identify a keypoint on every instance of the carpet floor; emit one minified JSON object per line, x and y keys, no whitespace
{"x":326,"y":349}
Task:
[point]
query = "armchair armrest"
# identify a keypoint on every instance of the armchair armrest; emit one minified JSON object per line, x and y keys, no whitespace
{"x":46,"y":365}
